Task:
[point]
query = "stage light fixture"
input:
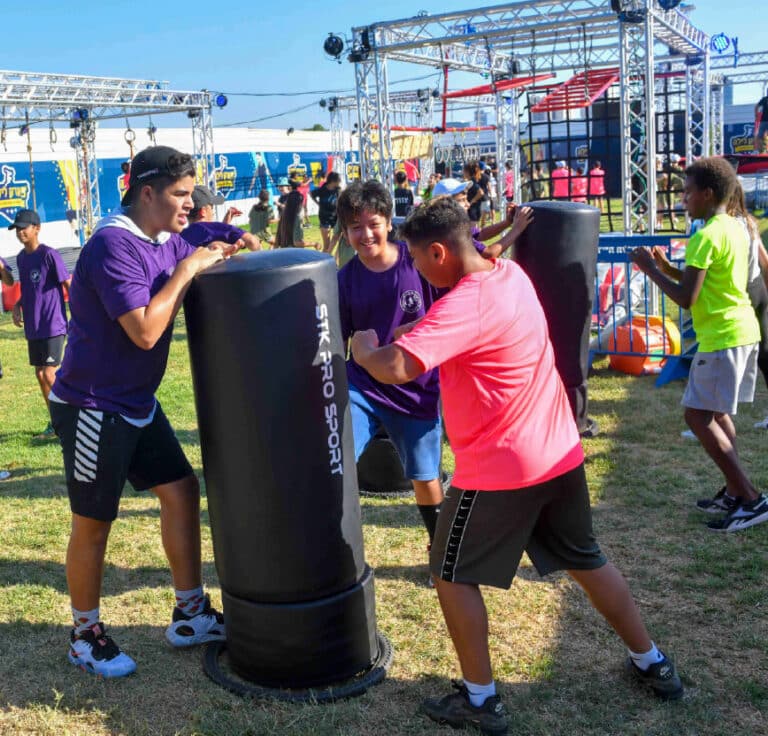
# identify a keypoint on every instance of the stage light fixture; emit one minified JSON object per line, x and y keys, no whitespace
{"x":334,"y":46}
{"x":221,"y":100}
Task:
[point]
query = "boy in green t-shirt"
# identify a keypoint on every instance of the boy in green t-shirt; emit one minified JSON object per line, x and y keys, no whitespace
{"x":723,"y":372}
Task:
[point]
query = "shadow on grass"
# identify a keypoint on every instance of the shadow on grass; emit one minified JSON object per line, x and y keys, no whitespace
{"x":117,"y":580}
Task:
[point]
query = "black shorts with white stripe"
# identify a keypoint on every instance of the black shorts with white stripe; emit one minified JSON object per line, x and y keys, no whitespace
{"x":481,"y":535}
{"x":101,"y":451}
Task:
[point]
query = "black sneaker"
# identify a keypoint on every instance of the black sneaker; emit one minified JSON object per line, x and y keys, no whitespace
{"x":718,"y":504}
{"x":661,"y":678}
{"x":743,"y":516}
{"x":95,"y":652}
{"x":204,"y":626}
{"x":456,"y":710}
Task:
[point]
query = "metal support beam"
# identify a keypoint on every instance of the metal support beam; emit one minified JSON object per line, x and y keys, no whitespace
{"x":202,"y":146}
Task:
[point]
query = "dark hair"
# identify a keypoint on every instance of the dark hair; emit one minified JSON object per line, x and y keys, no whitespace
{"x":471,"y":168}
{"x":597,"y":164}
{"x":264,"y":195}
{"x":443,"y":220}
{"x":713,"y":173}
{"x":579,"y":169}
{"x":332,"y":177}
{"x":400,"y":177}
{"x":371,"y":195}
{"x":178,"y":166}
{"x":294,"y":184}
{"x":287,"y":224}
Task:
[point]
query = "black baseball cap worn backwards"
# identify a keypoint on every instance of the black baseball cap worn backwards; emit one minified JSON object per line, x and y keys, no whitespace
{"x":24,"y":218}
{"x":149,"y":164}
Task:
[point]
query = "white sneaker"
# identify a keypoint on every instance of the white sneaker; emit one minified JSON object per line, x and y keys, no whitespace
{"x":95,"y":652}
{"x":687,"y":434}
{"x":762,"y":424}
{"x":4,"y":474}
{"x":187,"y":631}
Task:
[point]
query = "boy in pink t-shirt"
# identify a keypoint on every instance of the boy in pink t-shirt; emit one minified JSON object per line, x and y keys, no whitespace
{"x":519,"y":483}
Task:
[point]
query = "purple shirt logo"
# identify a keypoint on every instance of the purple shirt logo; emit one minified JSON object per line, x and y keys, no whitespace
{"x":410,"y":301}
{"x":34,"y":276}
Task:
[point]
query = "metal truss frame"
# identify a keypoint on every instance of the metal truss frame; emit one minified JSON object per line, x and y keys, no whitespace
{"x":82,"y":101}
{"x":542,"y":35}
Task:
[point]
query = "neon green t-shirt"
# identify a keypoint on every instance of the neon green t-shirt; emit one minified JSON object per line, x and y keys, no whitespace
{"x":722,"y":315}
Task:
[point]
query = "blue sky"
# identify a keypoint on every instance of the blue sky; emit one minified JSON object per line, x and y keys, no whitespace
{"x":259,"y":46}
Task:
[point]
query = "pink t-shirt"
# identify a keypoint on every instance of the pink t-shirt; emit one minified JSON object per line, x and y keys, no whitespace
{"x":579,"y":189}
{"x":506,"y":411}
{"x":560,"y":183}
{"x":596,"y":182}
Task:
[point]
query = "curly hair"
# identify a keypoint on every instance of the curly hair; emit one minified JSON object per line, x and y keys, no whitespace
{"x":713,"y":173}
{"x":371,"y":196}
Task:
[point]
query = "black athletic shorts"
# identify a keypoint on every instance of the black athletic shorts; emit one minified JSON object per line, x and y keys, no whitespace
{"x":101,"y":451}
{"x":481,"y":535}
{"x":327,"y":223}
{"x":46,"y":352}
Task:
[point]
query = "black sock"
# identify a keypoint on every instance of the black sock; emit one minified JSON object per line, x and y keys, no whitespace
{"x":429,"y":514}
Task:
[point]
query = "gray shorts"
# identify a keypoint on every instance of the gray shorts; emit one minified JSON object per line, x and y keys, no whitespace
{"x":481,"y":535}
{"x":722,"y":380}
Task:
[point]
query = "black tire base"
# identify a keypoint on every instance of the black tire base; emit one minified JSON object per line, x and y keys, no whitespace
{"x":349,"y":688}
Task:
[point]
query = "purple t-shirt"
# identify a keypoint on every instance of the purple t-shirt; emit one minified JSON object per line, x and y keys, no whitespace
{"x":102,"y":368}
{"x":42,"y":297}
{"x":203,"y":233}
{"x":384,"y":301}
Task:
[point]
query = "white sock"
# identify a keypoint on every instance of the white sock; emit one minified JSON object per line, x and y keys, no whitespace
{"x":84,"y":619}
{"x":478,"y":694}
{"x":644,"y":660}
{"x":190,"y":602}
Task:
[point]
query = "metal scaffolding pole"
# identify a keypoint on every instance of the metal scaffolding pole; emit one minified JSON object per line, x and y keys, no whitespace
{"x":202,"y":145}
{"x":637,"y":138}
{"x":89,"y":211}
{"x":718,"y":119}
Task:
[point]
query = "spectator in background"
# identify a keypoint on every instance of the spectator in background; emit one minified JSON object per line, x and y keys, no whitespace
{"x":284,"y":189}
{"x":403,"y":195}
{"x":325,"y":197}
{"x":6,"y":278}
{"x":579,"y":186}
{"x":290,"y":233}
{"x":259,"y":218}
{"x":597,"y":185}
{"x":204,"y":229}
{"x":426,"y":193}
{"x":509,"y":182}
{"x":761,"y":124}
{"x":40,"y":311}
{"x":539,"y":183}
{"x":561,"y":177}
{"x":303,"y":189}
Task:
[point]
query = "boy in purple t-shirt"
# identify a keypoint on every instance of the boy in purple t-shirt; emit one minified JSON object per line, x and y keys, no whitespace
{"x":204,"y":229}
{"x":129,"y":284}
{"x":40,"y":310}
{"x":381,"y":290}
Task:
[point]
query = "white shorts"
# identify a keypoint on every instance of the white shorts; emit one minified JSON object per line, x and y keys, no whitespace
{"x":722,"y":380}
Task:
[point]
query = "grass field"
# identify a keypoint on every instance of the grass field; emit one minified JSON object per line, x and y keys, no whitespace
{"x":558,"y":666}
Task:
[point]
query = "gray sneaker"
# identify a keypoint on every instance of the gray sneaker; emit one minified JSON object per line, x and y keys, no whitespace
{"x":456,"y":710}
{"x":661,"y":678}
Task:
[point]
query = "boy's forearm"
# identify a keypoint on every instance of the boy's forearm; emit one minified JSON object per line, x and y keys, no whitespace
{"x":387,"y":364}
